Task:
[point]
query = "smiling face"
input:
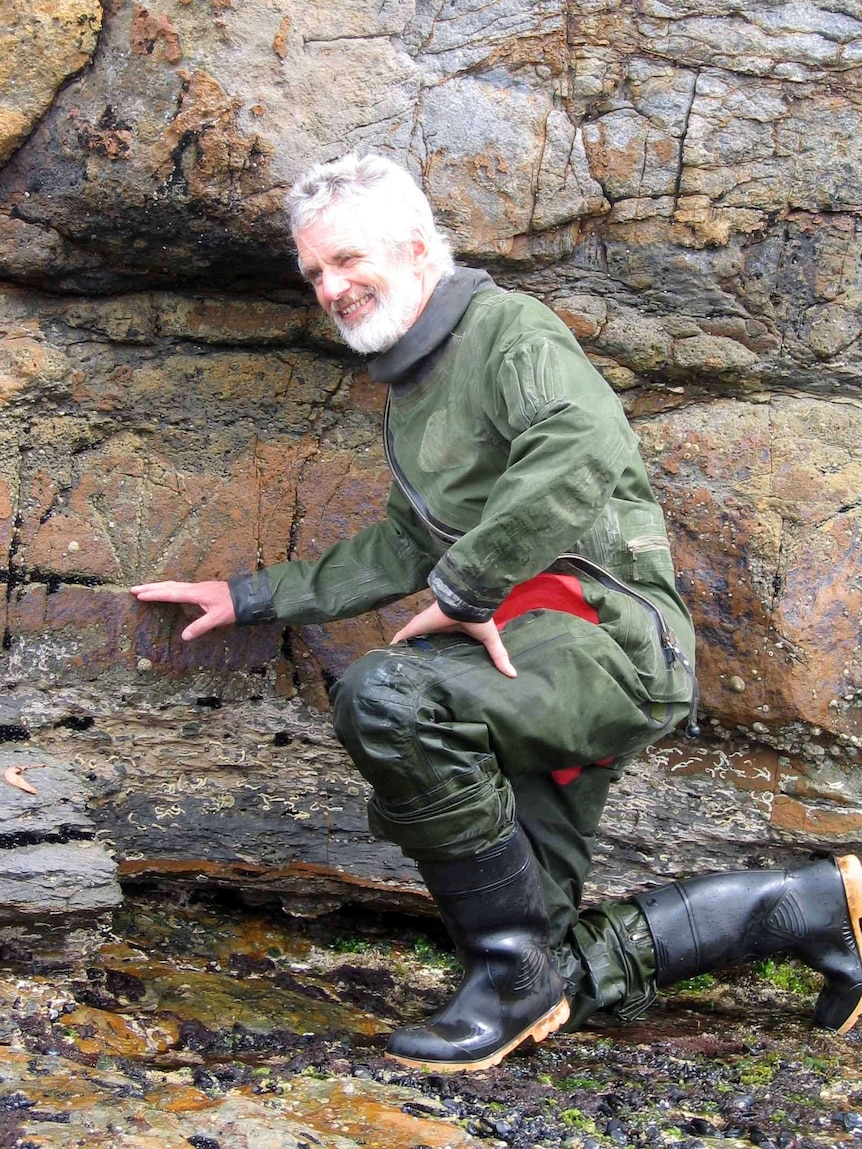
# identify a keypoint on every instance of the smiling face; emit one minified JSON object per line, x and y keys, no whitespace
{"x":373,"y":292}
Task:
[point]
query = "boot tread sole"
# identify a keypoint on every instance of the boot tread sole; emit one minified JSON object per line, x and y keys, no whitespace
{"x":547,"y":1024}
{"x":851,"y":874}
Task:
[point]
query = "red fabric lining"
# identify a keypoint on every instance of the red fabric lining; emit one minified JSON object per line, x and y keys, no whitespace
{"x":550,"y":592}
{"x":546,"y":592}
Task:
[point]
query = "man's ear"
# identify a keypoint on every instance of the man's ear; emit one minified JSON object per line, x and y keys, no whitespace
{"x":418,"y":248}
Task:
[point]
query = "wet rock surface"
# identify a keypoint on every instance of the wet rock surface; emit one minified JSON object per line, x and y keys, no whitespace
{"x":57,"y":883}
{"x":678,"y":182}
{"x":202,"y":1023}
{"x":195,"y":789}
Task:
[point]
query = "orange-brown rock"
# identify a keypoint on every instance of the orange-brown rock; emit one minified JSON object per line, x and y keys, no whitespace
{"x":681,"y":185}
{"x":42,"y":44}
{"x":767,"y":531}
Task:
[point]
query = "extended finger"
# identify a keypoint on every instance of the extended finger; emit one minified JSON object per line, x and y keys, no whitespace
{"x":416,"y":625}
{"x":165,"y":592}
{"x":408,"y":631}
{"x":499,"y":655}
{"x":206,"y":622}
{"x":423,"y":623}
{"x":198,"y":627}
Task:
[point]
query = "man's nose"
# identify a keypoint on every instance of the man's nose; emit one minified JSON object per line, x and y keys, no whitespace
{"x":333,"y":284}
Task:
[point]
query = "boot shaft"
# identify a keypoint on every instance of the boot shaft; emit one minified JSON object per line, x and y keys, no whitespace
{"x":813,"y":913}
{"x":494,"y":894}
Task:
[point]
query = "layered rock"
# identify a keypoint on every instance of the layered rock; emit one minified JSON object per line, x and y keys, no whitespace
{"x":57,"y":883}
{"x":679,"y":182}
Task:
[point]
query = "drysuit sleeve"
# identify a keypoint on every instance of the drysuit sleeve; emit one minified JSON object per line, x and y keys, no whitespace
{"x":569,"y":443}
{"x":380,"y":564}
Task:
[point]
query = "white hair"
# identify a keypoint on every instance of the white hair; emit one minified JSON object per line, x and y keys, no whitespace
{"x":370,"y":181}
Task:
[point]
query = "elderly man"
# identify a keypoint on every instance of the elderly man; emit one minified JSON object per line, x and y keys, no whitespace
{"x":556,"y":647}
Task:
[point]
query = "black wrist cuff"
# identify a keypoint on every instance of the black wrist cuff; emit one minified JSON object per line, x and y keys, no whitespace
{"x":453,"y":605}
{"x":252,"y":598}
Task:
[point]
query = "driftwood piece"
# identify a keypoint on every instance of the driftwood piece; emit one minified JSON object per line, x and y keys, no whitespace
{"x":56,"y":812}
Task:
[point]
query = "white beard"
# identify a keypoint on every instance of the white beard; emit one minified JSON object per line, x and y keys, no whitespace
{"x":396,"y":307}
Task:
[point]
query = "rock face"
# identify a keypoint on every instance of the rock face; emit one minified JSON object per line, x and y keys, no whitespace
{"x":57,"y":883}
{"x":44,"y":44}
{"x":679,"y":182}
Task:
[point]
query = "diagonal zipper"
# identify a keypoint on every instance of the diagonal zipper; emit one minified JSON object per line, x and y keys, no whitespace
{"x":673,"y":652}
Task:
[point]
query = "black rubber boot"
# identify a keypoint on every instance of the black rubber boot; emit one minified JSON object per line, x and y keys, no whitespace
{"x":494,"y":909}
{"x":813,"y":913}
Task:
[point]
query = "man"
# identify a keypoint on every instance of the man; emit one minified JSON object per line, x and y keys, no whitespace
{"x":556,"y":647}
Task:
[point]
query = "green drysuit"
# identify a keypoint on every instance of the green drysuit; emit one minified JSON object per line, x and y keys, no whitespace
{"x":508,"y":451}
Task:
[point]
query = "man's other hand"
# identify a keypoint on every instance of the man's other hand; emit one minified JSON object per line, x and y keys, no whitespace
{"x":213,"y":598}
{"x":433,"y":621}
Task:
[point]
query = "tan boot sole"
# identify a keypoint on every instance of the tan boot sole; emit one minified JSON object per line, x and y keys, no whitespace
{"x":539,"y":1030}
{"x":851,"y":875}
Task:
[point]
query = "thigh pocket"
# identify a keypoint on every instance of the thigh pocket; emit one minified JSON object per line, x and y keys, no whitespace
{"x":451,"y":821}
{"x":636,"y":630}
